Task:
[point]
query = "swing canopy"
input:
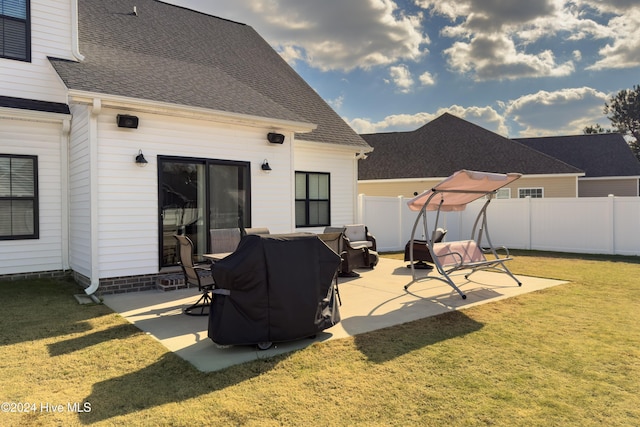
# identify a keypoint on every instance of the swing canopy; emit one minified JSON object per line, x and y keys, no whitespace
{"x":459,"y":189}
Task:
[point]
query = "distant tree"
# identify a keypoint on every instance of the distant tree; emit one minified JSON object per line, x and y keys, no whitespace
{"x":623,"y":109}
{"x":595,"y":129}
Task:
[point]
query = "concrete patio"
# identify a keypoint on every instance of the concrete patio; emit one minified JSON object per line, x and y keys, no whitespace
{"x":374,"y":300}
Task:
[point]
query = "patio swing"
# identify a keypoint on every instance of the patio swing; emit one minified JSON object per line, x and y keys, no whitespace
{"x":450,"y":195}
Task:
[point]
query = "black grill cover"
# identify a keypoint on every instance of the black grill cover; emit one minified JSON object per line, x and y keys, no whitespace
{"x":279,"y":289}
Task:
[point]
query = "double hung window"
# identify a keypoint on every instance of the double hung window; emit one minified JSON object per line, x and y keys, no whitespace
{"x":312,"y":199}
{"x":18,"y":197}
{"x":15,"y":34}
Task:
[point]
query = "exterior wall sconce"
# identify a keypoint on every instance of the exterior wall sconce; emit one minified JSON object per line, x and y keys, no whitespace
{"x":140,"y":160}
{"x":265,"y":166}
{"x":125,"y":121}
{"x":275,"y":138}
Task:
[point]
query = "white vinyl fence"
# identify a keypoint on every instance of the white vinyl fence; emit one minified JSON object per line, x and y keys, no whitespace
{"x":597,"y":225}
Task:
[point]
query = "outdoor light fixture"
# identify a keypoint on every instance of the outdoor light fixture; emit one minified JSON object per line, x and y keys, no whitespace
{"x":265,"y":166}
{"x":125,"y":121}
{"x":140,"y":160}
{"x":275,"y":138}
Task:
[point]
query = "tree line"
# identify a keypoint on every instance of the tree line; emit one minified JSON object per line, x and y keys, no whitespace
{"x":623,"y":110}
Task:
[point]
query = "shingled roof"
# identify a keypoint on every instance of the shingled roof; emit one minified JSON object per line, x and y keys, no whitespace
{"x":448,"y":144}
{"x":171,"y":54}
{"x":599,"y":155}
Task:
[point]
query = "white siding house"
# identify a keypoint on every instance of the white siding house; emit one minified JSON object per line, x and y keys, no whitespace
{"x":203,"y":115}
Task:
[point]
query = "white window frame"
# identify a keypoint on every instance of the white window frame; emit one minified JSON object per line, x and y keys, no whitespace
{"x":529,"y":190}
{"x":503,"y":193}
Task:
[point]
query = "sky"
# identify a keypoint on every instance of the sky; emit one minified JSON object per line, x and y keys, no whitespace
{"x":518,"y":68}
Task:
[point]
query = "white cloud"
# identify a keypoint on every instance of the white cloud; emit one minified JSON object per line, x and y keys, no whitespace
{"x":486,"y":117}
{"x":624,"y":50}
{"x":562,"y":112}
{"x":337,"y":102}
{"x":427,"y":79}
{"x":493,"y":39}
{"x":495,"y":57}
{"x":342,"y":35}
{"x":291,"y":54}
{"x":395,"y":122}
{"x":375,"y":33}
{"x":577,"y":55}
{"x":401,"y":78}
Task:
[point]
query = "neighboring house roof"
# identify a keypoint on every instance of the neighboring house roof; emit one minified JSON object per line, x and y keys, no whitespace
{"x":34,"y":105}
{"x":171,"y":54}
{"x":599,"y":155}
{"x":448,"y":144}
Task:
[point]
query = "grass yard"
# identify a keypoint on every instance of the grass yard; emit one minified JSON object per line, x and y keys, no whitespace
{"x":565,"y":356}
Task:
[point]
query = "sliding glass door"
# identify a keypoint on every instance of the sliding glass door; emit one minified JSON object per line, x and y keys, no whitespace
{"x":196,"y":195}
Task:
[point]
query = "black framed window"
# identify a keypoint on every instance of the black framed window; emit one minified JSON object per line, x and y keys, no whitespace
{"x":15,"y":33}
{"x":18,"y":197}
{"x":312,"y":199}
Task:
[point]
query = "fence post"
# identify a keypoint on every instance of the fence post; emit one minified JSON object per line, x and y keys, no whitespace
{"x":360,"y":213}
{"x":612,"y":223}
{"x":400,"y":221}
{"x":529,"y":244}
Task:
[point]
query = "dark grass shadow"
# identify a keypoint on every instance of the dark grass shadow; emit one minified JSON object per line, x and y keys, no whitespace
{"x":43,"y":308}
{"x":389,"y":343}
{"x":46,"y":308}
{"x":87,"y":340}
{"x":170,"y":379}
{"x":385,"y":335}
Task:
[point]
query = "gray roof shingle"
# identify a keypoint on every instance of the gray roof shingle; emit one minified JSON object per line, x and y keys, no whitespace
{"x":175,"y":55}
{"x":448,"y":144}
{"x":599,"y":155}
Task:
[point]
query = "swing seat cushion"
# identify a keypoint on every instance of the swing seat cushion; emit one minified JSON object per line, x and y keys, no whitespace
{"x":459,"y":253}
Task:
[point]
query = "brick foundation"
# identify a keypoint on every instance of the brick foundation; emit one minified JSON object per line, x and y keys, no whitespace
{"x":169,"y":281}
{"x":54,"y":274}
{"x":118,"y":285}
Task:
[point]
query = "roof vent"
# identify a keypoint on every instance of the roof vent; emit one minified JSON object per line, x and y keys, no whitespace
{"x":135,"y":11}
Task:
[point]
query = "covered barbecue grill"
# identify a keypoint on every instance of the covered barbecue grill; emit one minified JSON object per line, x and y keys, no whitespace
{"x":273,"y":288}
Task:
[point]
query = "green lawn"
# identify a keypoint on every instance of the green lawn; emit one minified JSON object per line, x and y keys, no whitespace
{"x":567,"y":355}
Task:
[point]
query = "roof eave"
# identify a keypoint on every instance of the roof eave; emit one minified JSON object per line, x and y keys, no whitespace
{"x":43,"y":116}
{"x":609,"y":178}
{"x":435,"y":178}
{"x":186,"y":111}
{"x":361,"y":150}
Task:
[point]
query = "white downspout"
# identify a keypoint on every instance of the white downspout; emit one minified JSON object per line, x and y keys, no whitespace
{"x":357,"y":200}
{"x":93,"y":185}
{"x":75,"y":47}
{"x":64,"y":194}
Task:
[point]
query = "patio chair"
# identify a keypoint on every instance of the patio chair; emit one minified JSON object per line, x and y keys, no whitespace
{"x":421,"y":254}
{"x":257,"y":230}
{"x":343,"y":270}
{"x":360,"y":247}
{"x":197,"y":275}
{"x":334,"y":241}
{"x":224,"y":239}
